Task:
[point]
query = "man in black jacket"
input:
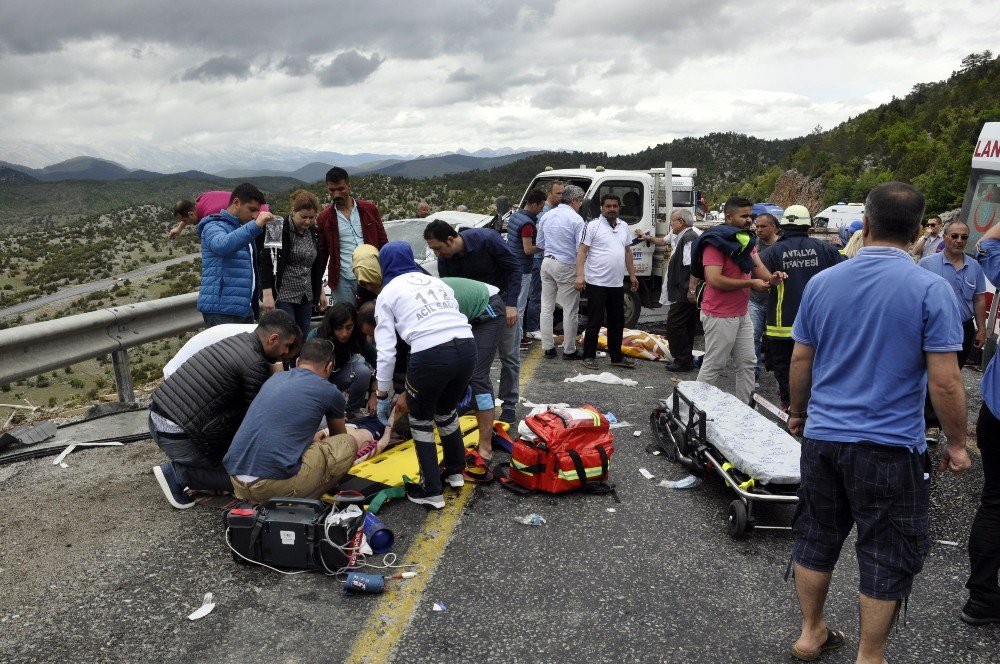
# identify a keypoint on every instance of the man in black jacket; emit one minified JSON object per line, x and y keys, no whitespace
{"x":196,"y":411}
{"x":801,"y":258}
{"x":682,"y":316}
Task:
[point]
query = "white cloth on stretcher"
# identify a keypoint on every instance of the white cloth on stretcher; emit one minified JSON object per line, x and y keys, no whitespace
{"x":754,"y":444}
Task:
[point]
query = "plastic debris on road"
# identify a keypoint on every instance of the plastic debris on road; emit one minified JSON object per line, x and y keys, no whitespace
{"x":439,"y":606}
{"x":947,"y":542}
{"x":531,"y":519}
{"x":620,"y":425}
{"x":637,"y":433}
{"x":645,"y":473}
{"x":206,"y":608}
{"x":605,"y":377}
{"x":610,"y":417}
{"x":688,"y":482}
{"x":612,"y":510}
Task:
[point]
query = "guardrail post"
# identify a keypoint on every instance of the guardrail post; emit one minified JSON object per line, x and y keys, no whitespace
{"x":123,"y":376}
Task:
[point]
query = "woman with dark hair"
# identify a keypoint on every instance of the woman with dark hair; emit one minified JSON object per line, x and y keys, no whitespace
{"x":353,"y":356}
{"x":297,"y":284}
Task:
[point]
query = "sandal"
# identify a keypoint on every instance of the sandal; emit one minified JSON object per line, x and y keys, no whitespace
{"x":833,"y":641}
{"x":476,"y":469}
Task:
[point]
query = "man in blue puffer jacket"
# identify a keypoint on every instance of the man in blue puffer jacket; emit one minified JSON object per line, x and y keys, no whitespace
{"x":229,"y":281}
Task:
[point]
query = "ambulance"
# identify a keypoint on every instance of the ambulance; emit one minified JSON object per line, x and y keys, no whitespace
{"x":981,"y":205}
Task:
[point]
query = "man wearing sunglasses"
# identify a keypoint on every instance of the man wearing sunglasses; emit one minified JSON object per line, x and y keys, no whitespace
{"x":967,"y":281}
{"x":928,"y":244}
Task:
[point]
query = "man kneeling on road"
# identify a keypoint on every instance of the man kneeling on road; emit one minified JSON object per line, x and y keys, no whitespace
{"x":279,"y":449}
{"x":197,"y":410}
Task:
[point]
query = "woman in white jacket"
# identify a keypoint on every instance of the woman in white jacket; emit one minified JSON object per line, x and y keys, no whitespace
{"x":423,"y":311}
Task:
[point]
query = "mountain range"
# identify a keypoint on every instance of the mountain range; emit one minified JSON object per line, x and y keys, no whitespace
{"x":96,"y":168}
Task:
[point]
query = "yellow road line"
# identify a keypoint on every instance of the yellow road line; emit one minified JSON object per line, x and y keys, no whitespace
{"x":388,"y":621}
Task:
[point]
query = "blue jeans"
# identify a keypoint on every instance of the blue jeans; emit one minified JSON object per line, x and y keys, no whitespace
{"x":191,"y":467}
{"x":522,"y":304}
{"x":301,"y":313}
{"x":534,"y":310}
{"x":758,"y":314}
{"x":354,"y":378}
{"x":509,"y":350}
{"x":211,"y":320}
{"x":346,"y":291}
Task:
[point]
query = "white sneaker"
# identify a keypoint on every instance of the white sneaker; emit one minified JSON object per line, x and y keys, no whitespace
{"x":456,"y":481}
{"x":416,"y":494}
{"x":535,"y":335}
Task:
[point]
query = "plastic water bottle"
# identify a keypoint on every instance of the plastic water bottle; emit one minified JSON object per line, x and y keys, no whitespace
{"x":531,"y":519}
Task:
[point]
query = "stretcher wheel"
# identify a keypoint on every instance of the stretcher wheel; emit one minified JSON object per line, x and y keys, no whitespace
{"x":737,"y":519}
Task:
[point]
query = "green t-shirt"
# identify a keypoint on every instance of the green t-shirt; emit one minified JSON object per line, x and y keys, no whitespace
{"x":472,"y":296}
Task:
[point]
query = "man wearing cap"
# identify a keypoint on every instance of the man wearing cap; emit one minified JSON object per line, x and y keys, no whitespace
{"x":801,"y":258}
{"x":931,"y":240}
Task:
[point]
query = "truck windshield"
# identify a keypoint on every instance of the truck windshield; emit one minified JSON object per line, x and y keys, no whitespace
{"x":544,"y":182}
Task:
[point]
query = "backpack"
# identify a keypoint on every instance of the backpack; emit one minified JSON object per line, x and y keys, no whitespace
{"x":571,"y":450}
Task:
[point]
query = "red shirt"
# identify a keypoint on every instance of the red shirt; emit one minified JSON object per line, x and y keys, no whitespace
{"x":720,"y":303}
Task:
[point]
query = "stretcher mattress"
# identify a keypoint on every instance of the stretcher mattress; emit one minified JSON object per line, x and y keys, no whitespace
{"x":754,"y":444}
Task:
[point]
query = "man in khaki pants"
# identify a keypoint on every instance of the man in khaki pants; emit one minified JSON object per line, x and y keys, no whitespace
{"x":278,"y":450}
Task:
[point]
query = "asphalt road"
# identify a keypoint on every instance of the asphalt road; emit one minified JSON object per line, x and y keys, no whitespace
{"x":97,"y":567}
{"x":83,"y":289}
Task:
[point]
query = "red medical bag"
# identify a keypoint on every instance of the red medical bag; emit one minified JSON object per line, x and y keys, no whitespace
{"x":572,"y":451}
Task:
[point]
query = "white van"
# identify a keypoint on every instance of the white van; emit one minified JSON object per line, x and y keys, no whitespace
{"x":836,"y":216}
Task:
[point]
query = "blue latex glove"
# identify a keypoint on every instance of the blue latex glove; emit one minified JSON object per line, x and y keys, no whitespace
{"x":383,"y":409}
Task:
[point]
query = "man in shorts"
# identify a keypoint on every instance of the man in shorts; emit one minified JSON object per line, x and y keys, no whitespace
{"x":864,"y":458}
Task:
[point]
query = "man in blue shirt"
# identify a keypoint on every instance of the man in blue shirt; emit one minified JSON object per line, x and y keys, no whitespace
{"x":983,"y":606}
{"x":279,"y":449}
{"x":863,"y":452}
{"x":559,"y":233}
{"x":966,"y":279}
{"x":481,"y":254}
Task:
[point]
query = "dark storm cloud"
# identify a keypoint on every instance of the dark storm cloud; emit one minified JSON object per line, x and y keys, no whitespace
{"x":218,"y":68}
{"x":348,"y":68}
{"x":296,"y":65}
{"x":461,"y":75}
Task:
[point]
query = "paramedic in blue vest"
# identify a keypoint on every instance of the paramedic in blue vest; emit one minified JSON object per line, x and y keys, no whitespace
{"x":230,"y":283}
{"x":983,"y":606}
{"x":522,"y":230}
{"x":423,"y":311}
{"x":801,"y":258}
{"x":864,"y":461}
{"x":481,"y":254}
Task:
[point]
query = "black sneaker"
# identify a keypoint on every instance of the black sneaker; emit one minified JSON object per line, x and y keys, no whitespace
{"x":171,"y":486}
{"x":550,"y":353}
{"x":977,"y":615}
{"x":680,"y":367}
{"x":415,"y":494}
{"x":575,"y":355}
{"x":507,"y":415}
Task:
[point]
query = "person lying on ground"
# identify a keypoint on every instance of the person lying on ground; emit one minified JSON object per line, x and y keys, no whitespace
{"x":279,"y":449}
{"x":195,"y":412}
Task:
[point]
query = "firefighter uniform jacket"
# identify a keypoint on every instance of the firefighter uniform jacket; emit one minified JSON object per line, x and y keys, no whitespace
{"x":802,"y":258}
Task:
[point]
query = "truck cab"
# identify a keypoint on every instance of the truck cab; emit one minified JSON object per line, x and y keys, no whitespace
{"x":648,"y":200}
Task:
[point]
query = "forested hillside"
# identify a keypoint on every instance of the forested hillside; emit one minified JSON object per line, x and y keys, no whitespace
{"x":925,"y":138}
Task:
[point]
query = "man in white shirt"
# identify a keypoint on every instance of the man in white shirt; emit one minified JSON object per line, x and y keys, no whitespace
{"x":604,"y":255}
{"x":206,"y":338}
{"x":931,"y":241}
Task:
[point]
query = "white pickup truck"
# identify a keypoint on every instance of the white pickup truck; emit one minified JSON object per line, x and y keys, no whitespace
{"x":648,"y":200}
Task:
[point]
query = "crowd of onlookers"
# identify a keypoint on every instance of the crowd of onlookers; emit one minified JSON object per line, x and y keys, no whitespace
{"x":866,"y":346}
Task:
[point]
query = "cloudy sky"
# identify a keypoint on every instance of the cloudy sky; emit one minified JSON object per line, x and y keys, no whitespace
{"x":434,"y":76}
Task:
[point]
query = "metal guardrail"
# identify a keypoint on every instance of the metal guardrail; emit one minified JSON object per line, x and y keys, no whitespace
{"x":29,"y":350}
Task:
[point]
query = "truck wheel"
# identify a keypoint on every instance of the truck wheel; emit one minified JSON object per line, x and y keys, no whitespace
{"x":633,"y":307}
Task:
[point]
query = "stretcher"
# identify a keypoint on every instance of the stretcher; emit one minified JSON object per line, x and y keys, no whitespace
{"x":386,"y":470}
{"x":709,"y":430}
